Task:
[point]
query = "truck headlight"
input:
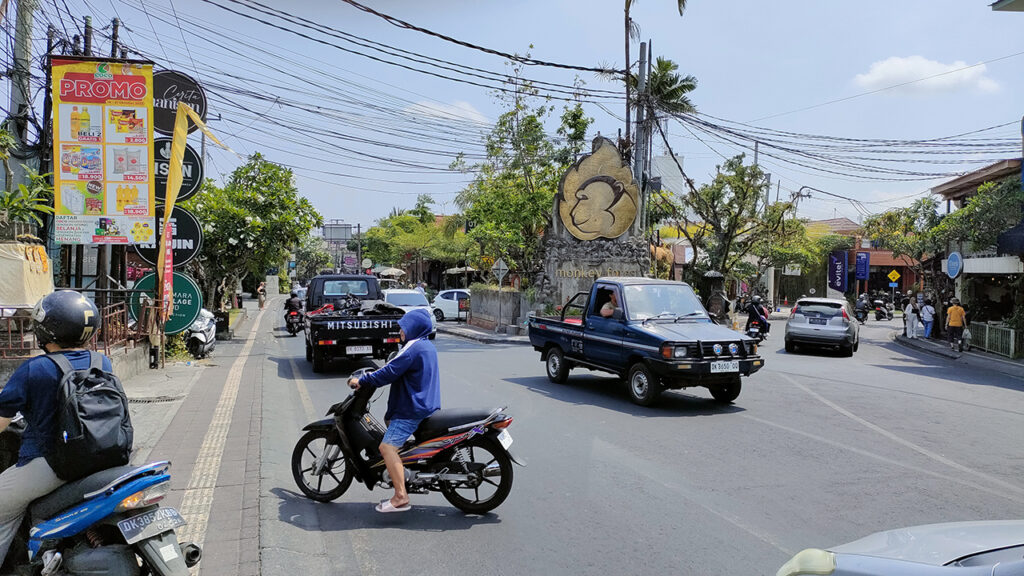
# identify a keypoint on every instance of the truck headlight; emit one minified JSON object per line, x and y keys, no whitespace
{"x":810,"y":561}
{"x":680,"y":352}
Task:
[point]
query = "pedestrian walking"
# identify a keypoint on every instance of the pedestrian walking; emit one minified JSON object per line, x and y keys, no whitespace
{"x":928,"y":318}
{"x":912,"y":313}
{"x":261,"y":294}
{"x":956,"y":319}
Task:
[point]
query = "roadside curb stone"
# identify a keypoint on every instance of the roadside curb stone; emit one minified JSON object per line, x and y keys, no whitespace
{"x":482,"y":336}
{"x":975,"y":359}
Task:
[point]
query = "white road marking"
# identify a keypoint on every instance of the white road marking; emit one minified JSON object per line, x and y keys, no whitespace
{"x":198,"y":497}
{"x":920,"y":450}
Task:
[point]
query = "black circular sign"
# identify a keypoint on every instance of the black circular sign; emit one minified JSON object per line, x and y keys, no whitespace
{"x":187,"y":235}
{"x":191,"y":170}
{"x":170,"y":87}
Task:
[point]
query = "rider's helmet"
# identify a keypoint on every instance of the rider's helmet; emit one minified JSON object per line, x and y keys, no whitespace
{"x":66,"y":318}
{"x":295,"y":294}
{"x":756,"y":299}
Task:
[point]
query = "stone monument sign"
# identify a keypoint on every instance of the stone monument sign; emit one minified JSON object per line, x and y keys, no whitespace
{"x":594,"y":230}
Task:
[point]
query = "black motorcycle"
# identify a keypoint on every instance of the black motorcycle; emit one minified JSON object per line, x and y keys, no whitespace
{"x":294,"y":321}
{"x":861,"y":314}
{"x":883,"y":311}
{"x":461,"y":453}
{"x":757,"y":331}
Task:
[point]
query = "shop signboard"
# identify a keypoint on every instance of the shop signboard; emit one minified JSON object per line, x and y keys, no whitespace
{"x":102,"y":150}
{"x":186,"y":238}
{"x":191,"y":170}
{"x":863,"y":265}
{"x":169,"y":88}
{"x":188,"y":301}
{"x":954,"y":264}
{"x":837,"y":271}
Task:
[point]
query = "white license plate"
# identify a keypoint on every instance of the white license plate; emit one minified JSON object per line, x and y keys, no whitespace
{"x":359,"y":350}
{"x":725,"y":366}
{"x":505,"y":438}
{"x":754,"y":330}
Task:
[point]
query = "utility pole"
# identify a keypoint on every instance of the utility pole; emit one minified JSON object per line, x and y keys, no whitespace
{"x":20,"y":90}
{"x":359,"y":245}
{"x":640,"y":140}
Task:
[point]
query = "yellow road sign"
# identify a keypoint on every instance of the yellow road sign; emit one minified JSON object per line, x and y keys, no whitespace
{"x":894,"y":275}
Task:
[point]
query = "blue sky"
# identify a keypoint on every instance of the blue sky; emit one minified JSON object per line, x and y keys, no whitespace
{"x":755,"y":62}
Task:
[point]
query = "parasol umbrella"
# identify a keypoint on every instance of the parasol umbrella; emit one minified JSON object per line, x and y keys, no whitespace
{"x":392,"y":272}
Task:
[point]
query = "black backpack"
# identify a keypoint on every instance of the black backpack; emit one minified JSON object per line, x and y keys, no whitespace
{"x":94,"y":430}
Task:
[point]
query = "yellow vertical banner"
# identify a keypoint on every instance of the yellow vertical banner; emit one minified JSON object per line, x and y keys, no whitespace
{"x":165,"y":258}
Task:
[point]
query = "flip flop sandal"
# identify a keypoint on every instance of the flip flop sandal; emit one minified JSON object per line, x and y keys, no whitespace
{"x":386,"y":507}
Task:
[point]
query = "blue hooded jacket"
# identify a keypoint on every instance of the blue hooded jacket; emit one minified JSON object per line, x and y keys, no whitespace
{"x":416,"y":392}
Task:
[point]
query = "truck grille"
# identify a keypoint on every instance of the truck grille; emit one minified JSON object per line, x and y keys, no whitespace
{"x":707,"y":350}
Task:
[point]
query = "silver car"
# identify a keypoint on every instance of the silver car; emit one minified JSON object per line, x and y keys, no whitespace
{"x":822,"y":322}
{"x":958,"y":548}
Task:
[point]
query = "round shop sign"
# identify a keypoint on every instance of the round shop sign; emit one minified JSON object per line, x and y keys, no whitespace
{"x":191,"y":170}
{"x":186,"y":233}
{"x":169,"y":88}
{"x":954,"y":264}
{"x":188,"y":301}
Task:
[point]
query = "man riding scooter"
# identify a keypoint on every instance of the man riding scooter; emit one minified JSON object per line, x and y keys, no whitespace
{"x":860,"y":310}
{"x":293,"y":318}
{"x":757,"y":314}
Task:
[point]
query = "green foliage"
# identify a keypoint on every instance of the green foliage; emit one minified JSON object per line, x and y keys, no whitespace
{"x":906,"y":232}
{"x":251,"y":224}
{"x":311,"y":257}
{"x":993,"y":210}
{"x":27,"y":203}
{"x":668,"y":91}
{"x":511,"y":199}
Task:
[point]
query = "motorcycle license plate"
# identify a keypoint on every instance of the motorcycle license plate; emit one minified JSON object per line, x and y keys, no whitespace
{"x":754,"y":330}
{"x":150,"y":524}
{"x":359,"y":349}
{"x":725,"y":366}
{"x":505,"y":438}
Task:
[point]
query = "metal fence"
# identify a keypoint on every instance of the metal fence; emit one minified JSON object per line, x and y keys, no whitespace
{"x":997,"y":339}
{"x":117,"y":330}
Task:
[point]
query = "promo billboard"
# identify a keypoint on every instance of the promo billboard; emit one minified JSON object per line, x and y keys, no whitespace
{"x":863,"y":265}
{"x":837,"y":262}
{"x":102,"y":150}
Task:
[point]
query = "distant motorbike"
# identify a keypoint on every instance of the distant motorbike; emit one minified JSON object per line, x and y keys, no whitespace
{"x":202,"y":335}
{"x":461,"y":453}
{"x":882,"y":310}
{"x":107,"y":523}
{"x":861,"y":314}
{"x":756,"y":331}
{"x":294,"y":321}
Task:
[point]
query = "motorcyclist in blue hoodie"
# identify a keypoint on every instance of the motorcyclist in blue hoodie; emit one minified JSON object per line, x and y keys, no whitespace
{"x":415,"y":394}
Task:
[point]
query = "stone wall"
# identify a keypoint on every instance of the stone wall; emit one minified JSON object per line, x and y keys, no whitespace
{"x":127,"y":362}
{"x":571,"y":266}
{"x":484,"y":308}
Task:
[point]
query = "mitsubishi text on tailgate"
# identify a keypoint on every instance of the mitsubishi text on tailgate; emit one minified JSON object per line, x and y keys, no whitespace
{"x":654,"y":333}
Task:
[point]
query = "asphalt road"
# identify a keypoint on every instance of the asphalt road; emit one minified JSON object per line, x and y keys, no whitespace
{"x":817,"y":450}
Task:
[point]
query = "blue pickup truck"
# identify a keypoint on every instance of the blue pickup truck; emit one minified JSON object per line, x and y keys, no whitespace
{"x":653,"y":333}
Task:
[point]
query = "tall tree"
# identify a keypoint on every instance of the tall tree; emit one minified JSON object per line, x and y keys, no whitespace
{"x":631,"y":31}
{"x":668,"y":91}
{"x":907,"y":232}
{"x":311,"y":257}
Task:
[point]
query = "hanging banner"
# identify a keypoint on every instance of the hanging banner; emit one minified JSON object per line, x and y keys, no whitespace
{"x":837,"y":262}
{"x":102,"y":149}
{"x":188,"y":238}
{"x":863,"y":265}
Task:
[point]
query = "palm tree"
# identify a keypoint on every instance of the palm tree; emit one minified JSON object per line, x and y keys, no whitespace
{"x":668,"y":91}
{"x":633,"y":30}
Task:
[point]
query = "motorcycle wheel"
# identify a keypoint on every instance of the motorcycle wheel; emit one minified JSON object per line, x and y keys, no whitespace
{"x":307,"y":450}
{"x":485,"y":492}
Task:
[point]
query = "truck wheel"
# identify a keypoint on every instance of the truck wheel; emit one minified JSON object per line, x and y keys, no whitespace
{"x":727,"y":391}
{"x":318,"y":361}
{"x":309,"y":352}
{"x":557,"y":367}
{"x":644,"y":387}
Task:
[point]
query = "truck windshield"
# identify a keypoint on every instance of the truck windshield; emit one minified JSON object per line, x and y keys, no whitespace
{"x":343,"y":287}
{"x":667,"y":300}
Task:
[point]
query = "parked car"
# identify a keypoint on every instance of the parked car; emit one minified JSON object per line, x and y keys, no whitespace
{"x":968,"y":548}
{"x":410,"y":300}
{"x":825,"y":322}
{"x":655,"y":334}
{"x":446,"y":303}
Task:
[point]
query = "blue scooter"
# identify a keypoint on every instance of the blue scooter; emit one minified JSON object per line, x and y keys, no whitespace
{"x":107,"y":523}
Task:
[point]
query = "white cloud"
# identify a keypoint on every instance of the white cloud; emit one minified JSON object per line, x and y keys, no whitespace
{"x":939,"y":77}
{"x":456,"y":111}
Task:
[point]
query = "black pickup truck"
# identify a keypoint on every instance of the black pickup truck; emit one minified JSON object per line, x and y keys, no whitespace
{"x":347,"y":318}
{"x":653,"y":333}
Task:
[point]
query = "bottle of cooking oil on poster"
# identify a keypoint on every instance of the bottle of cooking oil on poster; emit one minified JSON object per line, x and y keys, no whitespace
{"x":84,"y":122}
{"x":76,"y":120}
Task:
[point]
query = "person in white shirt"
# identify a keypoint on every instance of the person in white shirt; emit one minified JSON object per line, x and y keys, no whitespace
{"x":928,"y":318}
{"x":911,"y":313}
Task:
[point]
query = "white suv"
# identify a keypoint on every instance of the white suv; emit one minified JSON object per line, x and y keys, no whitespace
{"x":446,"y":303}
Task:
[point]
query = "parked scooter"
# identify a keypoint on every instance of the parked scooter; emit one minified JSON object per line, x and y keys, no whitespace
{"x":202,"y":335}
{"x":882,"y":310}
{"x":461,"y":453}
{"x":294,"y":321}
{"x":106,"y":523}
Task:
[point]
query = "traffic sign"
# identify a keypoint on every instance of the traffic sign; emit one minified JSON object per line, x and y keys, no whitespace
{"x":367,"y":263}
{"x":188,"y":301}
{"x":894,"y":284}
{"x":500,"y":269}
{"x":894,"y":275}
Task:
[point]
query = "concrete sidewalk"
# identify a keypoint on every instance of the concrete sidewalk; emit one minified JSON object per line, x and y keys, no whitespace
{"x":154,"y":397}
{"x":463,"y":330}
{"x":973,"y":358}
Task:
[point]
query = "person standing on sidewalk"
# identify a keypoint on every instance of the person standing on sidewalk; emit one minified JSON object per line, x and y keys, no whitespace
{"x":911,"y":312}
{"x":63,"y":322}
{"x":955,"y":320}
{"x":261,"y":293}
{"x":928,"y":318}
